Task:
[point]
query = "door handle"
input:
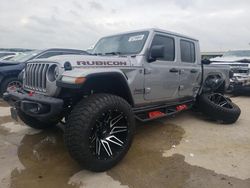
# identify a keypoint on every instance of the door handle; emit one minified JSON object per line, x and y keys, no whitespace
{"x":193,"y":71}
{"x":174,"y":70}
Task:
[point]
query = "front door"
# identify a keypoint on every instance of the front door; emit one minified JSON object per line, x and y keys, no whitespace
{"x":162,"y":75}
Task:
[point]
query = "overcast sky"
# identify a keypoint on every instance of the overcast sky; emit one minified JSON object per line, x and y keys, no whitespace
{"x":218,"y":24}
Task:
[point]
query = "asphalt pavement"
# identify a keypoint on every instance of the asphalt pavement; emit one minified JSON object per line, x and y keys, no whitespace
{"x":188,"y":150}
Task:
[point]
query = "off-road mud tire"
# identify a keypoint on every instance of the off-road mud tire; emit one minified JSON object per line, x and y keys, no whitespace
{"x":217,"y":112}
{"x":82,"y":121}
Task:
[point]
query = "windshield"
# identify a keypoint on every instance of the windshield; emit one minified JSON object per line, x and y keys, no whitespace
{"x":131,"y":43}
{"x":23,"y":57}
{"x":238,"y":53}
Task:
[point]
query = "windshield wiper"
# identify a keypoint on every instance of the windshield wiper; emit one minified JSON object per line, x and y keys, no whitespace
{"x":113,"y":53}
{"x":108,"y":53}
{"x":96,"y":54}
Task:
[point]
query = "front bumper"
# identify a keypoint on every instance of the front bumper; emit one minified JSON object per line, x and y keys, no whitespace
{"x":35,"y":105}
{"x":240,"y":81}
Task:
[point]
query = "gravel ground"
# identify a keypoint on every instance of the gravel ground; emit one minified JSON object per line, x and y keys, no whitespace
{"x":188,"y":150}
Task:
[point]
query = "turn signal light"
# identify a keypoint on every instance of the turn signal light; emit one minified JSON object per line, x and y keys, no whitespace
{"x":73,"y":80}
{"x":80,"y":80}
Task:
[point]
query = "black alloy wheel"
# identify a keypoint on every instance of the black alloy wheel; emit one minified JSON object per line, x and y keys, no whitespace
{"x":220,"y":100}
{"x":218,"y":107}
{"x":109,"y":135}
{"x":99,"y":131}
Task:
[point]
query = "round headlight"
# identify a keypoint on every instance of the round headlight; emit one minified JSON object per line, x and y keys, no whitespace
{"x":56,"y":72}
{"x":53,"y":73}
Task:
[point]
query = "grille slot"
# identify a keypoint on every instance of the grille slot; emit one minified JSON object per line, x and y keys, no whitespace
{"x":35,"y":76}
{"x":238,"y":70}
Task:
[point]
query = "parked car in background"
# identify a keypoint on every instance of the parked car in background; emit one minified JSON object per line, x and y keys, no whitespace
{"x":239,"y":62}
{"x":9,"y":57}
{"x":4,"y":54}
{"x":9,"y":70}
{"x":209,"y":55}
{"x":14,"y":50}
{"x":6,"y":58}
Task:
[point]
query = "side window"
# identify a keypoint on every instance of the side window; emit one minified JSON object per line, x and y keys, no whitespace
{"x":169,"y":46}
{"x":187,"y":51}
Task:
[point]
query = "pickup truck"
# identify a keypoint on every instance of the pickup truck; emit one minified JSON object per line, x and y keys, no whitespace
{"x":239,"y":62}
{"x":140,"y":75}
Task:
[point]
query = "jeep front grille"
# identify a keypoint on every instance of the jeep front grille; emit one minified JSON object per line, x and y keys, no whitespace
{"x":35,"y":76}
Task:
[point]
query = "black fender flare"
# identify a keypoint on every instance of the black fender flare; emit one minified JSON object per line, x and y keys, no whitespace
{"x":117,"y":76}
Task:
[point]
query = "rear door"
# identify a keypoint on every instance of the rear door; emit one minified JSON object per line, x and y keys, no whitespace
{"x":190,"y":68}
{"x":162,"y":76}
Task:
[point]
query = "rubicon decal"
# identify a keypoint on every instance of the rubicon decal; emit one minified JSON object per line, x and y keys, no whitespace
{"x":102,"y":63}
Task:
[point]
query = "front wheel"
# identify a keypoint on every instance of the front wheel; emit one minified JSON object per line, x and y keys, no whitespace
{"x":10,"y":83}
{"x":99,"y":131}
{"x":219,"y":107}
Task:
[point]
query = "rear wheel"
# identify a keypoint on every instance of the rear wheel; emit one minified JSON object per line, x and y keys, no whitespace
{"x":219,"y":107}
{"x":99,"y":131}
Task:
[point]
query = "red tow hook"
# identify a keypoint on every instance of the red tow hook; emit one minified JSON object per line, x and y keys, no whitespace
{"x":31,"y":93}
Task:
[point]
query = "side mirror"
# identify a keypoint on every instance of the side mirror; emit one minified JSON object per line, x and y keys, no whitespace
{"x":156,"y":52}
{"x":206,"y":61}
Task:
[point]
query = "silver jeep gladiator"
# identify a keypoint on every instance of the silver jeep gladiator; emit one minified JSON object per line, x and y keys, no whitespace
{"x":141,"y":75}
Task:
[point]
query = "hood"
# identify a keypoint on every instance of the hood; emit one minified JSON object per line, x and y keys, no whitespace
{"x":6,"y":63}
{"x":91,"y":60}
{"x":231,"y":59}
